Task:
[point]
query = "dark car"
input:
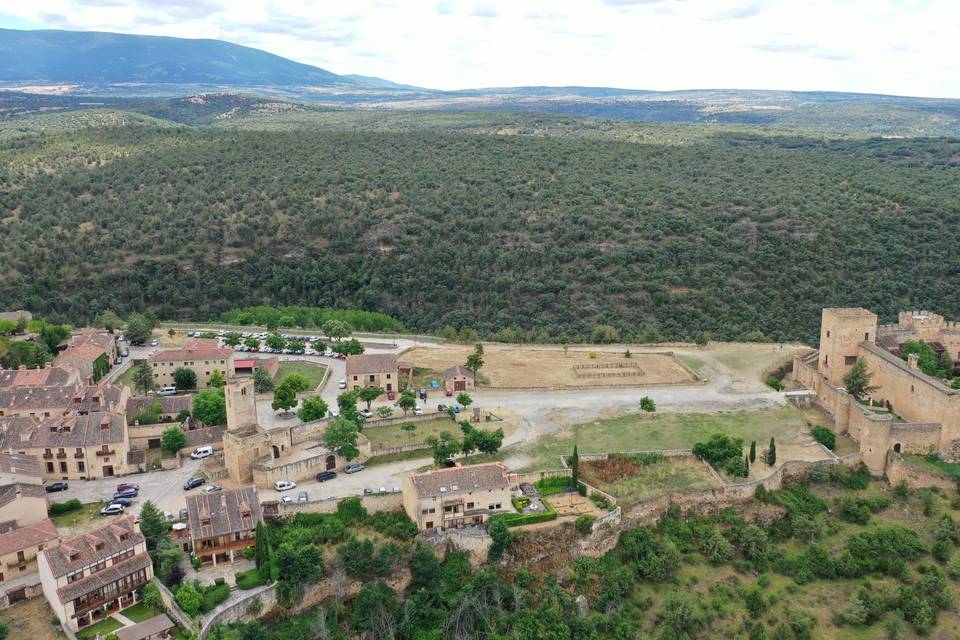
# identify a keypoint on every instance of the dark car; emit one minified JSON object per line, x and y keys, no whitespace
{"x":323,"y":476}
{"x":124,"y":501}
{"x":123,"y":486}
{"x":423,"y":394}
{"x":193,"y":483}
{"x":184,"y":514}
{"x":126,"y":493}
{"x":442,"y":408}
{"x":56,"y":486}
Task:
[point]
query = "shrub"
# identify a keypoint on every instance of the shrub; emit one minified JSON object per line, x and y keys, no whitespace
{"x":551,"y":486}
{"x":774,"y":383}
{"x":214,"y":595}
{"x":394,"y":524}
{"x":584,"y":524}
{"x":249,"y":553}
{"x":520,"y":503}
{"x":59,"y":508}
{"x":250,"y":579}
{"x":519,"y":519}
{"x":351,"y":511}
{"x":824,"y":436}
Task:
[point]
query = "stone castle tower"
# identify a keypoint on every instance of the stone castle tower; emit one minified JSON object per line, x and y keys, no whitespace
{"x":841,"y":331}
{"x":241,"y":403}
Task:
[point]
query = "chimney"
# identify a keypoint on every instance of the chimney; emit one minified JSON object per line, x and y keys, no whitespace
{"x":912,"y":360}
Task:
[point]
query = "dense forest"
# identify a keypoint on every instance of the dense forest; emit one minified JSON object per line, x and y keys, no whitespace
{"x":726,"y":232}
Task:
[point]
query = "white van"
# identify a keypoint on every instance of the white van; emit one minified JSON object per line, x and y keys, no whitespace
{"x":201,"y":452}
{"x":168,"y":391}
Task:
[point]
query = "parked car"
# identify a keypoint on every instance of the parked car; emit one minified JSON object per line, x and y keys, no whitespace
{"x":184,"y":514}
{"x":396,"y":489}
{"x":126,"y":493}
{"x":457,"y":408}
{"x":368,"y":491}
{"x":190,"y":334}
{"x":335,"y":413}
{"x":423,"y":394}
{"x":118,"y":360}
{"x":201,"y":452}
{"x":193,"y":483}
{"x":418,"y":410}
{"x":123,"y":486}
{"x":366,"y":413}
{"x":124,"y":501}
{"x":167,"y":391}
{"x":302,"y":496}
{"x":287,"y":500}
{"x":284,"y":485}
{"x":154,"y":343}
{"x":168,"y":516}
{"x":328,"y":353}
{"x":391,"y":395}
{"x":442,"y":408}
{"x":341,"y":356}
{"x":323,"y":476}
{"x":112,"y":509}
{"x":342,"y":384}
{"x":354,"y":468}
{"x":211,"y":488}
{"x":448,"y":392}
{"x":56,"y":486}
{"x":124,"y":352}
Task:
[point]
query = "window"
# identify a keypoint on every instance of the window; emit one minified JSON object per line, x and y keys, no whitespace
{"x":427,"y":525}
{"x":63,"y":467}
{"x":354,"y":378}
{"x":98,"y":546}
{"x":100,"y":566}
{"x":469,"y":505}
{"x":49,"y":467}
{"x":828,"y":333}
{"x":849,"y":360}
{"x":388,"y":376}
{"x":826,"y":360}
{"x":124,"y":536}
{"x":81,"y":467}
{"x":866,"y":337}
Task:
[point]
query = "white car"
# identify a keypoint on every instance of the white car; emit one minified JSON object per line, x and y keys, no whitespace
{"x":366,"y":414}
{"x":284,"y":485}
{"x":287,"y":500}
{"x":342,"y":384}
{"x":418,"y":410}
{"x":210,"y":488}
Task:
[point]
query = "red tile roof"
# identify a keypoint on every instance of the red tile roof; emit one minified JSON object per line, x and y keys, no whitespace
{"x":92,"y":429}
{"x":244,"y":364}
{"x":223,"y":512}
{"x":32,"y":535}
{"x":198,"y":348}
{"x":461,"y":479}
{"x":84,"y":546}
{"x":34,"y":377}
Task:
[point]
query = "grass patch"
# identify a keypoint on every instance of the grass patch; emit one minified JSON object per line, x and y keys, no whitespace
{"x":250,"y":579}
{"x":519,"y":519}
{"x":638,"y":432}
{"x":632,"y":483}
{"x":88,"y":512}
{"x":312,"y":372}
{"x":935,"y":463}
{"x":418,"y":454}
{"x":695,"y":364}
{"x":393,"y":436}
{"x":102,"y":628}
{"x":140,"y":612}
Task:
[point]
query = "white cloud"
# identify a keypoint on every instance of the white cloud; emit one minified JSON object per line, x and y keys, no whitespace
{"x":880,"y":46}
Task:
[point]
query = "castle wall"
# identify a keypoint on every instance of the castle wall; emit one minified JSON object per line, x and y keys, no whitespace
{"x":841,"y":331}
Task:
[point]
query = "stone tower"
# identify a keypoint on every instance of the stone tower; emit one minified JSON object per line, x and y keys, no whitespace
{"x":841,"y":332}
{"x":241,"y":403}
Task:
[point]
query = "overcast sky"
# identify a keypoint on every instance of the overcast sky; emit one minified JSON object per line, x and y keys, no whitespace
{"x":905,"y":47}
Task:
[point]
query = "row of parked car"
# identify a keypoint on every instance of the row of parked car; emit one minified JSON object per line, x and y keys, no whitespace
{"x":122,"y":498}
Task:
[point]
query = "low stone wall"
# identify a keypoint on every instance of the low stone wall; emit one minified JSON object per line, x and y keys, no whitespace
{"x":374,"y":503}
{"x":238,"y":609}
{"x":536,"y":476}
{"x":666,"y":453}
{"x":373,"y":423}
{"x":899,"y":470}
{"x":173,"y":609}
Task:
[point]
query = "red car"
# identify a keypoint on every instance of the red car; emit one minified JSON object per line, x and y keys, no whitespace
{"x":391,"y":395}
{"x":123,"y":486}
{"x":341,"y":356}
{"x":449,"y":392}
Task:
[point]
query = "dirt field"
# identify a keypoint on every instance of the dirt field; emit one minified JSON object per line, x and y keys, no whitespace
{"x":631,"y":482}
{"x":31,"y":619}
{"x":519,"y":367}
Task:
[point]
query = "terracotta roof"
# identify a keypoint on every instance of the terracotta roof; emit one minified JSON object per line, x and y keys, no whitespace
{"x":38,"y":397}
{"x":99,"y":397}
{"x":34,"y":377}
{"x":371,"y":363}
{"x":457,"y":370}
{"x":198,"y":348}
{"x":170,"y":404}
{"x":102,"y":578}
{"x":84,"y":546}
{"x":32,"y":535}
{"x":24,"y":465}
{"x":244,"y":364}
{"x":87,"y":430}
{"x":85,"y":347}
{"x":146,"y":629}
{"x":205,"y":436}
{"x":445,"y":482}
{"x":10,"y":492}
{"x":222,"y":512}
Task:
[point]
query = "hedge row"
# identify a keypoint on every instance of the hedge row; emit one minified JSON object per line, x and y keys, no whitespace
{"x":520,"y":519}
{"x":59,"y":508}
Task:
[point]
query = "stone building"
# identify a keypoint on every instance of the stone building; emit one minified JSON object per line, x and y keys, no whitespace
{"x":95,"y":574}
{"x":223,"y":523}
{"x":91,"y":353}
{"x":458,"y":378}
{"x":378,"y":370}
{"x":459,"y":496}
{"x":202,"y":356}
{"x":930,"y":410}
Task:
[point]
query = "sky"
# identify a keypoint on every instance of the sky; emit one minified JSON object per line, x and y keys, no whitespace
{"x":903,"y":47}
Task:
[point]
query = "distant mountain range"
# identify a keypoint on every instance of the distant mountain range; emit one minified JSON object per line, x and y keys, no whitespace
{"x":67,"y":65}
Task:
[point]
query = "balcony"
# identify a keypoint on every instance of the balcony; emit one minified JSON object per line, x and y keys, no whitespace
{"x":21,"y":565}
{"x":48,"y":456}
{"x":233,"y":545}
{"x":62,"y":455}
{"x":109,"y":452}
{"x":78,"y":455}
{"x":83,"y":607}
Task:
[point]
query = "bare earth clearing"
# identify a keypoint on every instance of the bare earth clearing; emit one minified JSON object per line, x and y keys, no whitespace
{"x":510,"y":367}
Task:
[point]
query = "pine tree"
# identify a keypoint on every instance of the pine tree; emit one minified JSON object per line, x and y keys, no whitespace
{"x":753,"y":451}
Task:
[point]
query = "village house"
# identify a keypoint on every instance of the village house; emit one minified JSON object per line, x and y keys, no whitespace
{"x":377,"y":370}
{"x":91,"y":353}
{"x":22,"y":503}
{"x":200,"y":355}
{"x":455,"y":497}
{"x":19,"y":546}
{"x":95,"y":574}
{"x":48,"y":375}
{"x":458,"y":378}
{"x":71,"y":447}
{"x":46,"y":401}
{"x":17,"y":468}
{"x":223,"y":523}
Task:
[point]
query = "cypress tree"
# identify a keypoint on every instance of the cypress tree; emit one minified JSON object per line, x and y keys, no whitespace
{"x":753,"y":451}
{"x":772,"y":453}
{"x":575,"y":465}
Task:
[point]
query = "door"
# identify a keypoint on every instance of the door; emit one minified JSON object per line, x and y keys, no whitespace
{"x":331,"y":462}
{"x":17,"y":595}
{"x":108,"y":471}
{"x":460,"y":385}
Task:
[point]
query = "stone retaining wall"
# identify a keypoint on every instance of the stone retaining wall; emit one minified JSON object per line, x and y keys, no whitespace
{"x":236,"y":608}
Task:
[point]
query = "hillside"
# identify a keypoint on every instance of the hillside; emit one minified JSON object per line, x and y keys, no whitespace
{"x":678,"y":228}
{"x":89,"y":57}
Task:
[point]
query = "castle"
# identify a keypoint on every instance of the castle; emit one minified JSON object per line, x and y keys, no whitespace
{"x":930,"y":409}
{"x":262,"y":456}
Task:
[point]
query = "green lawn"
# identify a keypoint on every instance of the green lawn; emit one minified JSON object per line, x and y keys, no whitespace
{"x":637,"y":432}
{"x":932,"y":463}
{"x":140,"y":612}
{"x":394,"y":436}
{"x":312,"y":372}
{"x":694,"y":363}
{"x":90,"y":511}
{"x":103,"y":628}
